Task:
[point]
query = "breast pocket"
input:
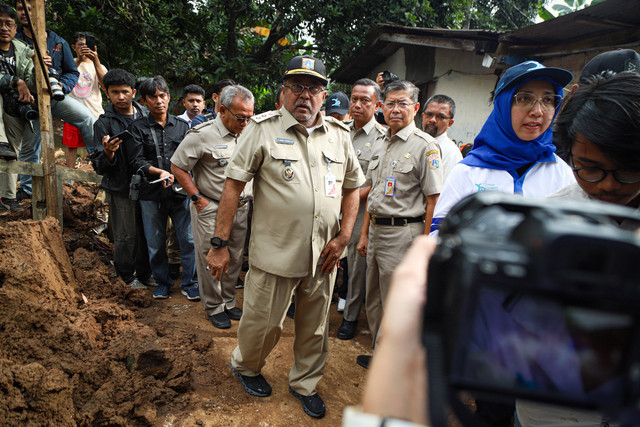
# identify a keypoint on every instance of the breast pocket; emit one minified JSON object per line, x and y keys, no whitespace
{"x":404,"y":174}
{"x":335,"y":162}
{"x":286,"y":164}
{"x":221,"y":156}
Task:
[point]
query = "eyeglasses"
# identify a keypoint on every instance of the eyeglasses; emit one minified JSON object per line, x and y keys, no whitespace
{"x":239,"y":119}
{"x":403,"y":105}
{"x":430,"y":115}
{"x":297,"y":89}
{"x":595,"y":174}
{"x":527,"y":101}
{"x":8,"y":24}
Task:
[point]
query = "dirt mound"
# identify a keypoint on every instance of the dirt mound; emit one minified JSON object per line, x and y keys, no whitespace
{"x":66,"y":358}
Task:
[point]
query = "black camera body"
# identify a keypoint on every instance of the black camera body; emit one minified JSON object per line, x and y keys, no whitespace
{"x":15,"y":108}
{"x":534,"y":299}
{"x":134,"y":186}
{"x":388,"y":77}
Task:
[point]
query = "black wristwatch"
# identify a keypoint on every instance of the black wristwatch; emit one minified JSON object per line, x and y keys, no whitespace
{"x":195,"y":197}
{"x":14,"y":81}
{"x":217,"y":242}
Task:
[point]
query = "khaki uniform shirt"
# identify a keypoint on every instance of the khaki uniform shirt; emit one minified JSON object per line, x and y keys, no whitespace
{"x":205,"y":151}
{"x":365,"y":139}
{"x":413,"y":159}
{"x":293,"y":217}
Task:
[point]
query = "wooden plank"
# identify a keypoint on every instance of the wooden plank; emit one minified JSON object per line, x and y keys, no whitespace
{"x":65,"y":173}
{"x":445,"y":43}
{"x":34,"y":169}
{"x":44,"y":106}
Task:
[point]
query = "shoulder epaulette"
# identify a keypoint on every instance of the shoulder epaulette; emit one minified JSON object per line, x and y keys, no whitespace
{"x":381,"y":128}
{"x":340,"y":123}
{"x":265,"y":116}
{"x":198,"y":127}
{"x":424,"y":136}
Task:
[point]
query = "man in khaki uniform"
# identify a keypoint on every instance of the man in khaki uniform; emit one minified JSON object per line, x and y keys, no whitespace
{"x":304,"y":171}
{"x":206,"y":151}
{"x":405,"y":174}
{"x":366,"y":133}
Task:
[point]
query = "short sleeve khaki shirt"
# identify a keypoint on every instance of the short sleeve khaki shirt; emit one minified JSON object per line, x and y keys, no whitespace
{"x":205,"y":151}
{"x":365,"y":139}
{"x":403,"y":170}
{"x":295,"y":213}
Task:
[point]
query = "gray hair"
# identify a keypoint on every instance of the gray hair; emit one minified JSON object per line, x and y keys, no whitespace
{"x":229,"y":93}
{"x":402,"y":85}
{"x":368,"y":82}
{"x":442,"y":99}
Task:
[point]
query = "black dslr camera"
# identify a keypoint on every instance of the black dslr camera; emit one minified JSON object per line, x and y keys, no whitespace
{"x":388,"y":77}
{"x":15,"y":108}
{"x":537,"y":300}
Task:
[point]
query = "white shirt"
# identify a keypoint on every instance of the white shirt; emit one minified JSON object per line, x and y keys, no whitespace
{"x":541,"y":179}
{"x":451,"y":154}
{"x":185,"y":116}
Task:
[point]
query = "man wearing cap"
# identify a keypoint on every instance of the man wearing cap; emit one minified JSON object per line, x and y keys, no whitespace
{"x":337,"y":106}
{"x":304,"y":170}
{"x":205,"y":152}
{"x":437,"y":118}
{"x":366,"y":134}
{"x":405,"y":174}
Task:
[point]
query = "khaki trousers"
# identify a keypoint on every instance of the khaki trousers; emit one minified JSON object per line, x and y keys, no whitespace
{"x":266,"y":300}
{"x":387,"y":246}
{"x":173,"y":248}
{"x":215,"y":295}
{"x":357,"y":267}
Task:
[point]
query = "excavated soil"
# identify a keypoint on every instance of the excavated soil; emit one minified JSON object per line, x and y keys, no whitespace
{"x":79,"y":347}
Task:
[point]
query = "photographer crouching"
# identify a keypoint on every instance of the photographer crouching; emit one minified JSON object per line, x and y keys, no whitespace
{"x":18,"y":109}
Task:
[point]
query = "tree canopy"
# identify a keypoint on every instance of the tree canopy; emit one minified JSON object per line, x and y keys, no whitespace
{"x":203,"y":41}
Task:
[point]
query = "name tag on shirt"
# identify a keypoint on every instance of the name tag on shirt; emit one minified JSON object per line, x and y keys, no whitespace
{"x":284,"y":141}
{"x":389,"y":186}
{"x":330,"y":189}
{"x":221,"y":146}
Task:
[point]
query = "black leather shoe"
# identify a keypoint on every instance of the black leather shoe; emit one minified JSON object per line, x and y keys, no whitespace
{"x":312,"y":405}
{"x":234,"y":314}
{"x":174,"y":271}
{"x":255,"y":386}
{"x":347,"y":330}
{"x":363,"y":360}
{"x":291,"y":312}
{"x":220,"y":320}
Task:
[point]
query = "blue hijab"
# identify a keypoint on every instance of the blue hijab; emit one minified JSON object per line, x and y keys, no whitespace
{"x":498,"y":147}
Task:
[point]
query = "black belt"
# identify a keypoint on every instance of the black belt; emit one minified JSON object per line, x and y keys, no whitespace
{"x":397,"y":221}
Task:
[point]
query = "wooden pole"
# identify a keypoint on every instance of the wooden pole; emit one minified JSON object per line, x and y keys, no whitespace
{"x":44,"y":105}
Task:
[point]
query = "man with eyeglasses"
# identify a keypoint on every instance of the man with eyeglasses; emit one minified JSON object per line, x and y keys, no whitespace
{"x":205,"y":152}
{"x":405,"y":175}
{"x":366,"y":134}
{"x":305,"y":172}
{"x":437,"y":118}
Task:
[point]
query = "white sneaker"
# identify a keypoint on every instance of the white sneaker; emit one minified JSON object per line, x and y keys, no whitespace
{"x":341,"y":303}
{"x":136,"y":284}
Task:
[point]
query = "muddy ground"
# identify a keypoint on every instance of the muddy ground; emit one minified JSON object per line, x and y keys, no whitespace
{"x":79,"y":347}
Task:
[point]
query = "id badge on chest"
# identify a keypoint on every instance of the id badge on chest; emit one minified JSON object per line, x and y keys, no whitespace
{"x":330,"y":189}
{"x":389,"y":186}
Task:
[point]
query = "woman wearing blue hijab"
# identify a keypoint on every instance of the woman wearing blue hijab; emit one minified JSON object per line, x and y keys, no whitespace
{"x":514,"y":151}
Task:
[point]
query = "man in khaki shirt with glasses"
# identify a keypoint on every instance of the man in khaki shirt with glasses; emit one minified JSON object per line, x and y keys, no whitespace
{"x":405,"y":174}
{"x":304,"y":171}
{"x":205,"y":152}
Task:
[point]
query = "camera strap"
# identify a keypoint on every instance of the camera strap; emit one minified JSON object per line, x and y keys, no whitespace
{"x":158,"y":156}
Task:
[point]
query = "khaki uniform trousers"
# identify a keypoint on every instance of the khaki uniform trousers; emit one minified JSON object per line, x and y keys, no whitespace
{"x":357,"y":268}
{"x":387,"y":246}
{"x":266,"y":300}
{"x":215,"y":295}
{"x":173,"y":248}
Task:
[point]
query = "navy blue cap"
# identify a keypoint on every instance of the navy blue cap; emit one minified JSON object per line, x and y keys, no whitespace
{"x":617,"y":61}
{"x":306,"y":66}
{"x":532,"y":69}
{"x":337,"y":103}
